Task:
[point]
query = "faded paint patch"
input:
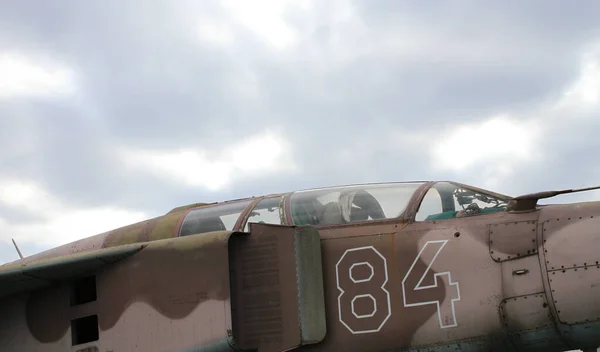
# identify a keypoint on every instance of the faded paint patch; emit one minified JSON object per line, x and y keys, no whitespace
{"x":150,"y":230}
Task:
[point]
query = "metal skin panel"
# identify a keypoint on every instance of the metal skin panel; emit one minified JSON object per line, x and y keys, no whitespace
{"x":176,"y":287}
{"x":582,"y":309}
{"x":528,"y":320}
{"x":361,"y":293}
{"x":572,"y":241}
{"x":466,"y":259}
{"x":38,"y":273}
{"x":512,"y":240}
{"x":170,"y":288}
{"x":521,"y":277}
{"x":570,"y":236}
{"x":527,"y":312}
{"x":403,"y":288}
{"x":14,"y":328}
{"x":571,"y":253}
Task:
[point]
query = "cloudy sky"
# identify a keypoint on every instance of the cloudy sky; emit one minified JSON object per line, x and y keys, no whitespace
{"x":112,"y":112}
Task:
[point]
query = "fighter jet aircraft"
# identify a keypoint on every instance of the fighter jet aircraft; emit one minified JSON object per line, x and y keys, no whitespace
{"x":409,"y":266}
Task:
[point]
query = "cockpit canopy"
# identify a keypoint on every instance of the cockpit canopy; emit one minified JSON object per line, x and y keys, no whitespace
{"x":346,"y":204}
{"x":446,"y":200}
{"x":339,"y":205}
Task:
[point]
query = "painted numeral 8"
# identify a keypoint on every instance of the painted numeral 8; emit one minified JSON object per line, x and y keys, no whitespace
{"x":362,"y":307}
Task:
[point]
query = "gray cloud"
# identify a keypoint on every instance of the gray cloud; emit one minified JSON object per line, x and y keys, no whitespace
{"x":343,"y":96}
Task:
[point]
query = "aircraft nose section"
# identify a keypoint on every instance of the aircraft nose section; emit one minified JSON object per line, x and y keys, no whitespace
{"x":571,"y":251}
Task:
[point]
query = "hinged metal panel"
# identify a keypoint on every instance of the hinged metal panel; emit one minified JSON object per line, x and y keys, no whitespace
{"x":571,"y":242}
{"x":528,"y":312}
{"x":513,"y":240}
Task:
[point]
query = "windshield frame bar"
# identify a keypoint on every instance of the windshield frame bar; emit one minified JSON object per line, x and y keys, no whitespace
{"x":417,"y":202}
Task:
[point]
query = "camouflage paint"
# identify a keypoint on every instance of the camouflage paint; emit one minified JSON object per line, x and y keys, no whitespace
{"x":523,"y":280}
{"x":139,"y":293}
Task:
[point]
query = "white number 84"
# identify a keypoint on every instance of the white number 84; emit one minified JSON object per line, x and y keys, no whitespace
{"x":364,"y":304}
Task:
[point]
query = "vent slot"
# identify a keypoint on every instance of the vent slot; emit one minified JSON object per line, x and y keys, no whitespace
{"x":84,"y":330}
{"x":83,"y":290}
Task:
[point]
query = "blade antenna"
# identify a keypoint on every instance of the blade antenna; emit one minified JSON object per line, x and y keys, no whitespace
{"x":17,"y":248}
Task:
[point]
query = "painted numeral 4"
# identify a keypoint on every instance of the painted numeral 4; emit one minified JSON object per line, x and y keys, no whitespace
{"x":413,"y":294}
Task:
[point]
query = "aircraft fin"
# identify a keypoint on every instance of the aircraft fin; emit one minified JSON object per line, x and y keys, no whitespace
{"x":529,"y":201}
{"x":23,"y":275}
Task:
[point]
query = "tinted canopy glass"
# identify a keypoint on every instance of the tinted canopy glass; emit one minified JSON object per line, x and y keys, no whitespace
{"x":213,"y":218}
{"x":446,"y":200}
{"x":340,"y":205}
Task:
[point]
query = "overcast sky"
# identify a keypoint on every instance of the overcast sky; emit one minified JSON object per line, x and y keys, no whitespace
{"x":112,"y":112}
